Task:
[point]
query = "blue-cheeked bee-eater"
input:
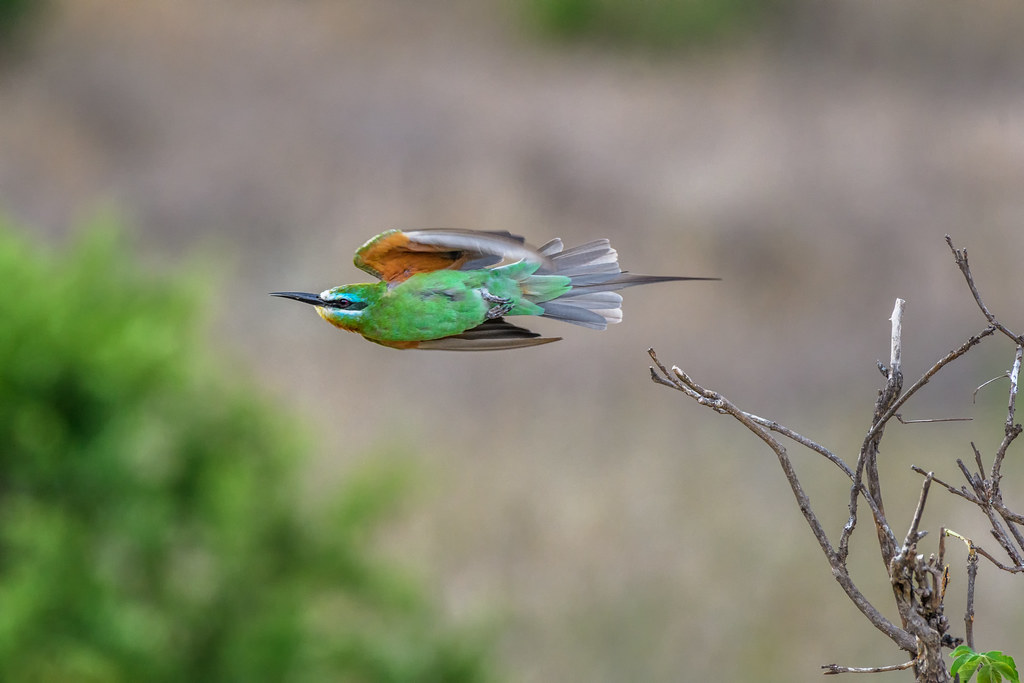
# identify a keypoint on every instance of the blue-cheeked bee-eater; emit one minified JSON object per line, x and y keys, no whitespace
{"x":447,"y":289}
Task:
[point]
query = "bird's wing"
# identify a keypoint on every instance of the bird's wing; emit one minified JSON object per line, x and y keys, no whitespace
{"x":492,"y":335}
{"x":396,"y":255}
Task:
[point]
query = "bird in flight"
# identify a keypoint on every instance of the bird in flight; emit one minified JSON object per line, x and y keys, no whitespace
{"x":450,"y":290}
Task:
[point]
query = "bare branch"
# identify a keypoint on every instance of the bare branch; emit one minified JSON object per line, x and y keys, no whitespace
{"x":712,"y":399}
{"x":960,"y":256}
{"x":975,"y":482}
{"x":1012,"y":528}
{"x":974,"y":395}
{"x":1000,"y":535}
{"x":983,"y":492}
{"x":658,"y":379}
{"x":984,"y":553}
{"x":832,"y":669}
{"x":772,"y":425}
{"x":878,"y":425}
{"x":963,"y":493}
{"x":896,"y":338}
{"x":919,"y":586}
{"x":912,"y":536}
{"x":867,"y":460}
{"x":1014,"y":373}
{"x":972,"y":577}
{"x":918,"y":581}
{"x":939,"y":364}
{"x":987,"y":495}
{"x":1006,"y":514}
{"x":977,"y":459}
{"x":1012,"y":430}
{"x":899,"y":418}
{"x":1005,"y":567}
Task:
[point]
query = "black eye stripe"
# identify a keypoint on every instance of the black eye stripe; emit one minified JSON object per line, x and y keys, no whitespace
{"x":346,"y":304}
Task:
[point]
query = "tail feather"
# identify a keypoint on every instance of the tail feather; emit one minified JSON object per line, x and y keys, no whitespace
{"x":594,"y":275}
{"x":593,"y":300}
{"x":623,"y":280}
{"x":577,"y":315}
{"x":552,"y":247}
{"x":589,"y":254}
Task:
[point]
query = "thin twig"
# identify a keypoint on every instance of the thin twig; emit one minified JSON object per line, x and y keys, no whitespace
{"x":919,"y":583}
{"x":963,"y":493}
{"x":987,"y":495}
{"x":1012,"y":430}
{"x":960,"y":256}
{"x":896,"y":337}
{"x":874,"y":434}
{"x":919,"y":589}
{"x":1012,"y":569}
{"x":911,"y":538}
{"x":832,"y":669}
{"x":972,"y":577}
{"x":676,"y":383}
{"x":986,"y":554}
{"x":977,"y":459}
{"x":974,"y":396}
{"x":984,"y":493}
{"x":899,"y":418}
{"x":992,"y":496}
{"x":867,"y":459}
{"x":1000,"y":535}
{"x":1014,"y":373}
{"x":941,"y":363}
{"x":714,"y":400}
{"x":1005,"y":513}
{"x":1011,"y":526}
{"x":976,"y":483}
{"x":880,"y":423}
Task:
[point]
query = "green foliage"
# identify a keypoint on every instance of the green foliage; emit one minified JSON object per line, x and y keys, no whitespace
{"x":15,"y":17}
{"x":991,"y":666}
{"x":150,"y":526}
{"x":651,"y":24}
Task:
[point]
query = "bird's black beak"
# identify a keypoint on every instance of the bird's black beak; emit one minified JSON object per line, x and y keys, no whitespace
{"x":304,"y":297}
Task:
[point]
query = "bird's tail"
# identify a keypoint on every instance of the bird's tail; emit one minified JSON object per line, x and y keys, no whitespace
{"x":590,"y":298}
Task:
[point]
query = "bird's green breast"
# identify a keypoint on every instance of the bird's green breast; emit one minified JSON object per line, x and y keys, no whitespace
{"x":434,"y":305}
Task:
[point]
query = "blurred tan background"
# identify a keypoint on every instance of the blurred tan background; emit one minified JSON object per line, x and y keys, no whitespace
{"x":610,"y":529}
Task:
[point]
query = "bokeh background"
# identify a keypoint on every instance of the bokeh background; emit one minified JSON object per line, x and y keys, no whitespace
{"x":559,"y":517}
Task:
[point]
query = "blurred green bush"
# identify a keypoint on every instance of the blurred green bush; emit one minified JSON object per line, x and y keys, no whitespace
{"x":16,"y":16}
{"x":648,"y":24}
{"x":150,"y":526}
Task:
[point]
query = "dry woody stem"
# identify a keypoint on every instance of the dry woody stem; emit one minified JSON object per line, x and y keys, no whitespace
{"x":918,"y":581}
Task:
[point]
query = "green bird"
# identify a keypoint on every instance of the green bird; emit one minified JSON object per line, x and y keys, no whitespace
{"x":450,"y":290}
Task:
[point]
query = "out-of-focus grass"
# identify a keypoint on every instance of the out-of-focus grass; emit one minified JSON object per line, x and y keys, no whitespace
{"x":650,"y":24}
{"x":151,"y":523}
{"x":16,"y":16}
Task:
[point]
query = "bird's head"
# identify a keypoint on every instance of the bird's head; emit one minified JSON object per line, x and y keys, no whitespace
{"x":341,"y":306}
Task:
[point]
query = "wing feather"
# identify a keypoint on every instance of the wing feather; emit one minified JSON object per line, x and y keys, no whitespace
{"x":492,"y":335}
{"x":396,"y":255}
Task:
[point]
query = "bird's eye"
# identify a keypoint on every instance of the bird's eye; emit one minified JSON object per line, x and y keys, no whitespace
{"x":344,"y":303}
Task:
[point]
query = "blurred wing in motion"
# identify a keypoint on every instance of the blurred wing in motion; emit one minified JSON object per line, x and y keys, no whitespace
{"x":396,"y":255}
{"x":492,"y":335}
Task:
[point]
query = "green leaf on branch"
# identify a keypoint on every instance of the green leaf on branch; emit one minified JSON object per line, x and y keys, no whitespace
{"x":992,"y":666}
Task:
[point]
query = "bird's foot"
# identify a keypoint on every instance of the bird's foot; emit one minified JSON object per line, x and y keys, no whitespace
{"x":501,"y":305}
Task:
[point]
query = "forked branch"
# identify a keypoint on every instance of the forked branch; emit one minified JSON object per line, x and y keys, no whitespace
{"x":919,"y":583}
